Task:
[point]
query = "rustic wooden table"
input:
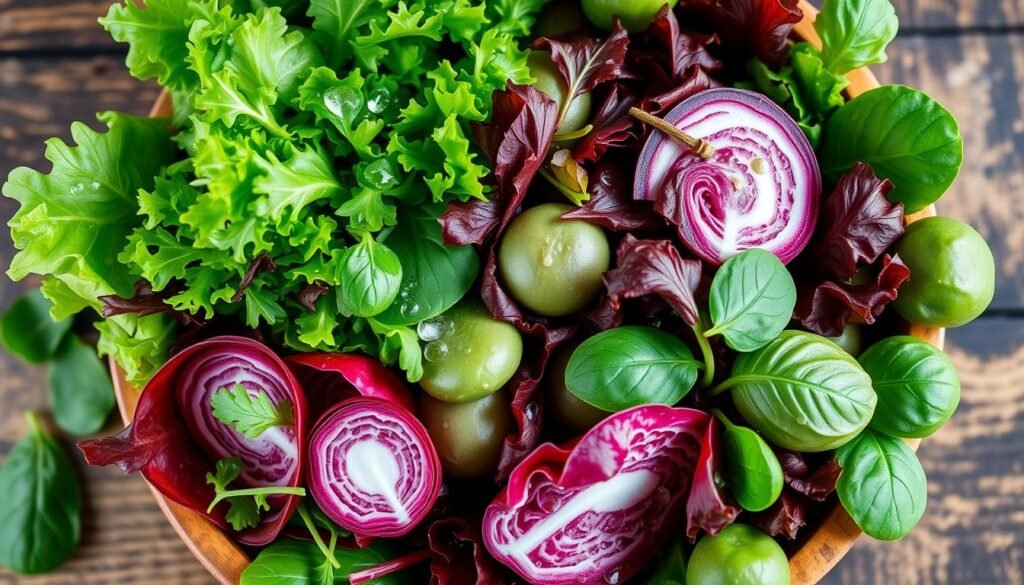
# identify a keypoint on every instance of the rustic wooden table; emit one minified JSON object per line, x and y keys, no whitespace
{"x":57,"y":65}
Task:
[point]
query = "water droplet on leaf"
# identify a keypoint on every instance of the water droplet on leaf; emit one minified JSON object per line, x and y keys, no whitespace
{"x":379,"y":101}
{"x":435,"y":351}
{"x":531,"y":411}
{"x":344,"y":102}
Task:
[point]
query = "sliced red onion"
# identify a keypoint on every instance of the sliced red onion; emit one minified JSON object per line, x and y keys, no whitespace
{"x":596,"y":514}
{"x":329,"y":378}
{"x":760,"y":188}
{"x":373,"y":468}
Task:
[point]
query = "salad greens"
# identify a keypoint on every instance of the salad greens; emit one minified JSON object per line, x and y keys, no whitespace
{"x":250,"y":415}
{"x":855,"y":33}
{"x":751,"y":300}
{"x":81,"y":393}
{"x":40,"y":527}
{"x":298,"y":562}
{"x":752,"y":470}
{"x":27,"y":331}
{"x":244,"y":505}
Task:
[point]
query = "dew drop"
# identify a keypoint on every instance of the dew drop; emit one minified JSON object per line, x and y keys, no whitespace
{"x":612,"y":578}
{"x":531,"y":411}
{"x":435,"y":351}
{"x":343,"y":102}
{"x":380,"y":175}
{"x":77,"y":188}
{"x":95,"y":186}
{"x":379,"y":101}
{"x":435,"y":328}
{"x":550,"y":502}
{"x":408,"y":309}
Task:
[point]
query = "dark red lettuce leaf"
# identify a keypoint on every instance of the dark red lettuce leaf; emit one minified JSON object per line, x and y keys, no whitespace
{"x":805,"y":486}
{"x":684,"y":49}
{"x":828,"y":307}
{"x":310,"y":293}
{"x":785,"y":517}
{"x":146,"y":301}
{"x":470,"y":223}
{"x":611,"y":203}
{"x":586,"y":62}
{"x":459,"y":556}
{"x":751,"y":28}
{"x":261,"y":263}
{"x":710,"y":507}
{"x":654,"y":267}
{"x":818,"y":485}
{"x":858,"y":223}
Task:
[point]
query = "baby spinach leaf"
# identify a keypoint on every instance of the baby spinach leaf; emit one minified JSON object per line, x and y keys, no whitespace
{"x":250,"y":415}
{"x":81,"y":394}
{"x":752,"y":300}
{"x":752,"y":471}
{"x":370,"y":275}
{"x":855,"y":33}
{"x":906,"y":137}
{"x":41,"y":523}
{"x":296,"y":562}
{"x":435,"y":275}
{"x":802,"y":392}
{"x":629,"y":366}
{"x":883,"y":485}
{"x":917,"y":385}
{"x":27,"y":331}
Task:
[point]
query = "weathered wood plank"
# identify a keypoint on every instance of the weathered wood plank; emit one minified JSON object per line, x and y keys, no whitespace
{"x":52,"y":25}
{"x":925,"y":15}
{"x":973,"y":530}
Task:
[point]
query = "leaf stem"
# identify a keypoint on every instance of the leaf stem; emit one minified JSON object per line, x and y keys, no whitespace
{"x":270,"y":491}
{"x":388,"y":567}
{"x":574,"y":134}
{"x":576,"y":198}
{"x":315,"y":533}
{"x":701,"y":147}
{"x":725,"y":385}
{"x":705,"y":350}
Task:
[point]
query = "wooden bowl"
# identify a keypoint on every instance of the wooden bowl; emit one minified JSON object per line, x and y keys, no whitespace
{"x":830,"y":542}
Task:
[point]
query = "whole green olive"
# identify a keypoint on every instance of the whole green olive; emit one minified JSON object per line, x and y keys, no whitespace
{"x":952,"y":273}
{"x":635,"y":14}
{"x":468,"y":436}
{"x":550,"y":82}
{"x":738,"y":555}
{"x":562,"y":17}
{"x":564,"y":407}
{"x":551,"y":266}
{"x":475,"y":358}
{"x":849,"y":340}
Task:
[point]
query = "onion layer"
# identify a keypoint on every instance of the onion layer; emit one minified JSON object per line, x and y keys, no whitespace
{"x":760,"y":189}
{"x":372,"y":467}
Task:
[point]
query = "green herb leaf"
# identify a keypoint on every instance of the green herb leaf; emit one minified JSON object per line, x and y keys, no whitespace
{"x":855,"y":33}
{"x":41,"y":523}
{"x":752,"y":300}
{"x":906,"y":137}
{"x":81,"y":394}
{"x":296,"y":562}
{"x":401,"y":345}
{"x":244,"y":505}
{"x":27,"y":331}
{"x":250,"y":415}
{"x":752,"y":471}
{"x":802,"y":392}
{"x":917,"y":385}
{"x":629,"y":366}
{"x":369,"y":274}
{"x":435,"y":275}
{"x":883,"y":485}
{"x":138,"y":344}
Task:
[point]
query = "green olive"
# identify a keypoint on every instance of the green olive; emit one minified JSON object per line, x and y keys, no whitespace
{"x":849,"y":340}
{"x":551,"y":266}
{"x":468,"y":436}
{"x":560,"y":18}
{"x":952,"y":273}
{"x":635,"y":14}
{"x":475,"y":358}
{"x":738,"y":555}
{"x":550,"y":82}
{"x":564,"y":407}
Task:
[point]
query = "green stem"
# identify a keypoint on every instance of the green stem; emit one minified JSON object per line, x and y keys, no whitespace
{"x":271,"y":491}
{"x":315,"y":533}
{"x":726,"y":385}
{"x":722,"y":418}
{"x":576,"y":198}
{"x":574,"y":134}
{"x":705,"y":350}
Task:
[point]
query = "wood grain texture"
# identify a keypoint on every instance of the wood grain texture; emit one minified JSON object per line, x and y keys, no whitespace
{"x":53,"y":25}
{"x":948,"y":16}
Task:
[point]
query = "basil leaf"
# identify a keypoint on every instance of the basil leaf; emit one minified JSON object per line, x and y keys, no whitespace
{"x":855,"y":33}
{"x":41,"y":523}
{"x":295,"y":562}
{"x":629,"y":366}
{"x":369,"y":275}
{"x":752,"y":471}
{"x":917,"y":385}
{"x":904,"y":135}
{"x":802,"y":392}
{"x":752,"y":300}
{"x":27,"y":330}
{"x":81,"y":394}
{"x":435,"y":276}
{"x":883,"y":485}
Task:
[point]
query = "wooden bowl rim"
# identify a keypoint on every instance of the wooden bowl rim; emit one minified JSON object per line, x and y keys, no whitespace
{"x":225,"y":559}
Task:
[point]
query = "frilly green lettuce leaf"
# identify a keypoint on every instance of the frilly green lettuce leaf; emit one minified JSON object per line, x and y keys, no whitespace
{"x":138,"y":344}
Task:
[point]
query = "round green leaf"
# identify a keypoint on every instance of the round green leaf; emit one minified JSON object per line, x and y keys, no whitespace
{"x":802,"y":392}
{"x":629,"y":366}
{"x":27,"y":330}
{"x":752,"y":471}
{"x":81,"y":394}
{"x":883,"y":485}
{"x":906,"y":137}
{"x":752,"y":300}
{"x":917,"y":385}
{"x":300,"y":562}
{"x":369,"y":275}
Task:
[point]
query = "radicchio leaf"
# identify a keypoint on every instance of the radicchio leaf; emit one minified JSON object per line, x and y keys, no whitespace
{"x":612,"y":206}
{"x":570,"y":515}
{"x":261,"y":263}
{"x":310,"y":293}
{"x":827,"y":308}
{"x":470,"y":223}
{"x":785,"y":517}
{"x":752,"y":28}
{"x":145,"y":301}
{"x":174,"y":444}
{"x":459,"y":556}
{"x":710,"y":508}
{"x":858,"y":223}
{"x":654,"y":267}
{"x":803,"y":489}
{"x":684,"y":49}
{"x":587,"y":62}
{"x":820,"y":484}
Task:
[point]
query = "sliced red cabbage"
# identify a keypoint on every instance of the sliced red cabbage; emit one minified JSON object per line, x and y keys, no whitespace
{"x":760,"y":189}
{"x":373,"y":468}
{"x":598,"y":511}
